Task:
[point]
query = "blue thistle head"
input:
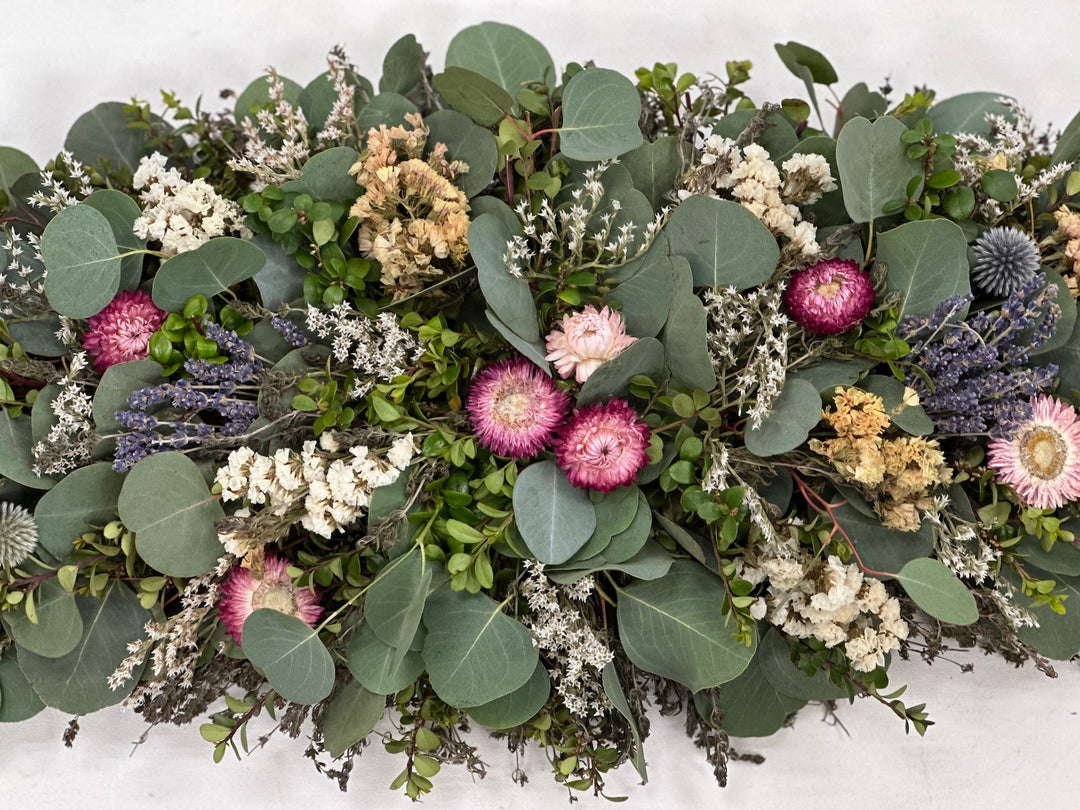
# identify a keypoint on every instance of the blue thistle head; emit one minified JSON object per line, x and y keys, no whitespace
{"x":1006,"y":259}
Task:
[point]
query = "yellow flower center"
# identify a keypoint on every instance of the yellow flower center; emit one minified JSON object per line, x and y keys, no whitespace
{"x":1042,"y":452}
{"x":513,"y":408}
{"x":276,"y":597}
{"x":829,"y":289}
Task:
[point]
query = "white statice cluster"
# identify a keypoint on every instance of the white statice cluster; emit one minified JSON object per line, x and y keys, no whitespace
{"x":562,"y":634}
{"x":578,"y":234}
{"x":377,"y":349}
{"x":749,"y":176}
{"x":958,"y":545}
{"x":281,"y":123}
{"x":825,"y":599}
{"x":56,"y":195}
{"x":70,"y":441}
{"x":342,"y":116}
{"x":325,"y":488}
{"x":173,"y":644}
{"x":747,"y":335}
{"x":1006,"y":147}
{"x":181,"y":215}
{"x":22,"y":281}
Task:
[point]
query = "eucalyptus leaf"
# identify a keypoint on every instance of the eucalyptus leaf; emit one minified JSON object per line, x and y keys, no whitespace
{"x":256,"y":96}
{"x":84,"y":264}
{"x":13,"y":165}
{"x":77,"y":683}
{"x":536,"y":351}
{"x":1067,"y":358}
{"x":612,"y":378}
{"x":777,"y":135}
{"x":874,"y":167}
{"x":211,"y":268}
{"x":911,"y":418}
{"x":601,"y":109}
{"x":326,"y":176}
{"x":615,"y":512}
{"x":654,"y":167}
{"x":519,"y":706}
{"x":1057,"y":636}
{"x":38,"y":335}
{"x":937,"y":591}
{"x":627,"y":543}
{"x":508,"y":297}
{"x":16,"y":451}
{"x":295,"y":661}
{"x":84,"y":498}
{"x":794,"y":414}
{"x":378,"y":666}
{"x":317,"y":100}
{"x":927,"y":263}
{"x":42,"y":417}
{"x":502,"y":53}
{"x":351,"y":715}
{"x":102,"y":135}
{"x":651,"y":562}
{"x":809,"y":65}
{"x":555,"y":518}
{"x":395,"y":601}
{"x":473,"y":94}
{"x":967,"y":113}
{"x":117,"y":384}
{"x":468,"y":142}
{"x":281,"y":279}
{"x":474,"y":653}
{"x":402,"y":67}
{"x":880,"y":548}
{"x":59,"y":626}
{"x":1066,"y":322}
{"x":609,"y":679}
{"x":751,"y":705}
{"x":121,"y":211}
{"x":18,"y":701}
{"x":673,"y":627}
{"x":774,"y":661}
{"x":726,"y":245}
{"x":1068,"y":144}
{"x":686,"y":350}
{"x":166,"y":502}
{"x":1062,"y":558}
{"x":830,"y":373}
{"x":645,"y":298}
{"x":861,"y":102}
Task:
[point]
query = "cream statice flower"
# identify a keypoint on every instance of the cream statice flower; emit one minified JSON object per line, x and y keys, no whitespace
{"x":587,"y":339}
{"x":178,"y":214}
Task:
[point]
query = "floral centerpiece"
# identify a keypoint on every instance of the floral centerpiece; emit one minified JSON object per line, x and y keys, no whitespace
{"x":524,"y":398}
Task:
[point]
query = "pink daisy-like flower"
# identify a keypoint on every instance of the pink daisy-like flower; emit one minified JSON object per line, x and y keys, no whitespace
{"x":1041,"y":462}
{"x":588,"y":338}
{"x":516,"y":408}
{"x":122,"y":330}
{"x":603,"y":447}
{"x":243,"y":594}
{"x":829,"y":297}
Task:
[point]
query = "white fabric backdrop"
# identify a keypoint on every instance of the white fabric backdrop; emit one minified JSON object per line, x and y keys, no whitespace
{"x":1003,"y":735}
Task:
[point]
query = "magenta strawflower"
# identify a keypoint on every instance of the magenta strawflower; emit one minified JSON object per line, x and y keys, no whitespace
{"x":829,"y":297}
{"x":122,"y":330}
{"x":588,"y":338}
{"x":1041,"y":461}
{"x":242,"y":594}
{"x":516,"y":408}
{"x":603,"y":446}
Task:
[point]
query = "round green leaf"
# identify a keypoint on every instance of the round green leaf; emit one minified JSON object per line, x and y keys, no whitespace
{"x":59,"y":626}
{"x":326,"y":176}
{"x":13,"y":165}
{"x":645,"y":297}
{"x":751,"y":705}
{"x":395,"y":601}
{"x":257,"y":95}
{"x":626,"y":544}
{"x":121,"y":211}
{"x":654,"y":168}
{"x":601,"y":109}
{"x":1057,"y":636}
{"x":468,"y":92}
{"x":612,"y":378}
{"x":774,"y":661}
{"x":77,"y":683}
{"x":319,"y":97}
{"x":18,"y":701}
{"x":474,"y":652}
{"x":509,"y":298}
{"x":686,"y":350}
{"x":468,"y":142}
{"x":967,"y":113}
{"x":38,"y":335}
{"x":1062,"y":558}
{"x":16,"y":451}
{"x":536,"y":351}
{"x":911,"y":418}
{"x":927,"y":263}
{"x":881,"y":548}
{"x":874,"y":168}
{"x":211,"y":268}
{"x":936,"y":590}
{"x":402,"y":67}
{"x":517,"y":707}
{"x":80,"y":253}
{"x":281,"y":279}
{"x":102,"y":135}
{"x":290,"y":653}
{"x":117,"y":384}
{"x":350,"y":717}
{"x":377,"y":665}
{"x":1000,"y":184}
{"x":725,"y":244}
{"x":778,"y":137}
{"x":166,"y":502}
{"x":555,"y":518}
{"x":794,"y":414}
{"x":84,"y":498}
{"x":673,"y":627}
{"x":385,"y":108}
{"x":502,"y":53}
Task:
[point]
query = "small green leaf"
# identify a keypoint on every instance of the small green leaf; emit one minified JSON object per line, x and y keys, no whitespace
{"x":936,"y":590}
{"x":1000,"y":184}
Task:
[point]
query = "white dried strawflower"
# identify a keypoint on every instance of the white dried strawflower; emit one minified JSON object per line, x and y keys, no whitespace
{"x":18,"y":534}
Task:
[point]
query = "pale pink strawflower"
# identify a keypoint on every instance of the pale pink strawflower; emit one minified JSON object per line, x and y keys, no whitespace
{"x":122,"y":330}
{"x":243,"y":594}
{"x":603,"y":446}
{"x":1041,"y":461}
{"x":515,"y":408}
{"x":829,"y":297}
{"x":588,"y":338}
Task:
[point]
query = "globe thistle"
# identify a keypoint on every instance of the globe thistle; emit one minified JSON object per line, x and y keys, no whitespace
{"x":829,"y":297}
{"x":516,"y":408}
{"x":18,"y":534}
{"x":1005,"y":260}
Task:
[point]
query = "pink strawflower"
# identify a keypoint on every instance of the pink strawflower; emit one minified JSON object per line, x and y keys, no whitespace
{"x":588,"y":338}
{"x":603,"y":447}
{"x":1041,"y":462}
{"x":829,"y":297}
{"x":242,"y":594}
{"x":122,"y":330}
{"x":515,"y":408}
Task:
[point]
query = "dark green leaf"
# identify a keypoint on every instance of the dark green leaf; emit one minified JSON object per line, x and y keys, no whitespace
{"x":937,"y":591}
{"x":654,"y":168}
{"x":326,"y":176}
{"x":468,"y":92}
{"x":725,"y":243}
{"x":351,"y":715}
{"x":1000,"y":184}
{"x":18,"y":701}
{"x":59,"y":626}
{"x":751,"y":705}
{"x":468,"y":142}
{"x":927,"y":263}
{"x":686,"y":351}
{"x":645,"y":297}
{"x":402,"y":66}
{"x":612,"y":378}
{"x":601,"y":109}
{"x":774,"y":660}
{"x":372,"y":662}
{"x":83,"y":499}
{"x":290,"y":653}
{"x":102,"y":135}
{"x":519,"y":706}
{"x":967,"y":113}
{"x":79,"y":250}
{"x":208,"y":270}
{"x":609,"y":679}
{"x":555,"y":518}
{"x":385,"y":108}
{"x":794,"y":414}
{"x":509,"y":297}
{"x":16,"y":451}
